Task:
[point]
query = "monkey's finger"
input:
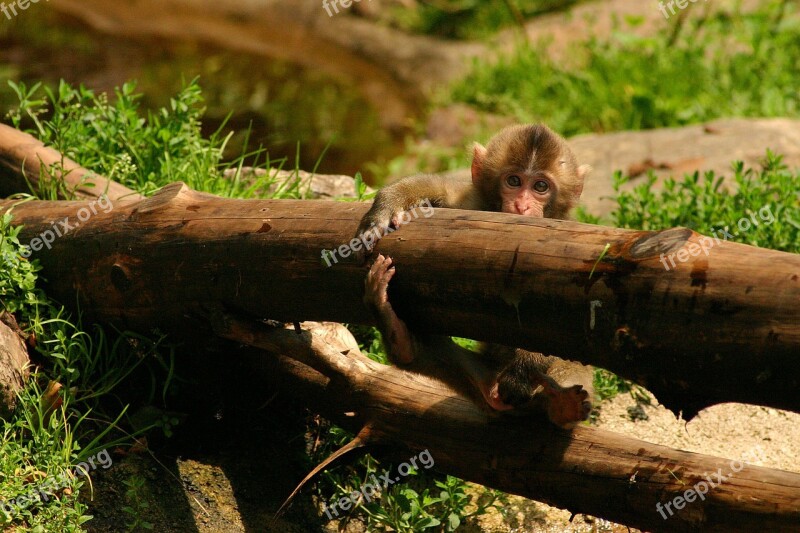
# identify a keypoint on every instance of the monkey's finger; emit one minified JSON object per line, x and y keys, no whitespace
{"x":385,"y":270}
{"x":377,"y":271}
{"x":376,"y":268}
{"x":580,"y":391}
{"x":388,"y":274}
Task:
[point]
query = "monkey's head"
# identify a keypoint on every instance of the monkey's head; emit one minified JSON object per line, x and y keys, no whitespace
{"x":528,"y":170}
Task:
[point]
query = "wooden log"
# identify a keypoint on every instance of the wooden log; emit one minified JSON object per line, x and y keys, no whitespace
{"x":716,"y":328}
{"x":26,"y":164}
{"x":14,"y":363}
{"x":589,"y":470}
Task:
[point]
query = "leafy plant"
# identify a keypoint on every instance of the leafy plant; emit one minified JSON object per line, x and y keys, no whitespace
{"x":138,"y":506}
{"x":761,"y":207}
{"x":18,"y":276}
{"x":145,"y":151}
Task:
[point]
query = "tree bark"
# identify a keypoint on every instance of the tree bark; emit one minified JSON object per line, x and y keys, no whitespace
{"x":716,"y":328}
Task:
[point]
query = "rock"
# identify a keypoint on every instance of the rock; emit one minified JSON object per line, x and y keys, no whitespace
{"x":678,"y":151}
{"x":319,"y":186}
{"x":450,"y":125}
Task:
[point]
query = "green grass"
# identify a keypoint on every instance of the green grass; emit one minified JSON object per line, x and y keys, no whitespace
{"x":143,"y":151}
{"x":38,"y":444}
{"x":422,"y":501}
{"x":721,"y":66}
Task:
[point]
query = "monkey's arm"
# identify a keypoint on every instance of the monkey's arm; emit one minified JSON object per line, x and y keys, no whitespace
{"x":436,"y":356}
{"x":422,"y":189}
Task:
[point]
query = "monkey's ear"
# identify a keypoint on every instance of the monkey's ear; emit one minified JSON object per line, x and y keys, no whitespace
{"x":583,"y":171}
{"x":478,"y":157}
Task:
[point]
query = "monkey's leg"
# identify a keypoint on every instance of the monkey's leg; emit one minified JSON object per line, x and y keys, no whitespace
{"x":398,"y":340}
{"x":562,"y":388}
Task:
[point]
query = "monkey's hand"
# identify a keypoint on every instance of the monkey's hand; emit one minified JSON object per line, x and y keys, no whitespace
{"x":396,"y":337}
{"x":382,"y":218}
{"x":385,"y":216}
{"x":405,"y":200}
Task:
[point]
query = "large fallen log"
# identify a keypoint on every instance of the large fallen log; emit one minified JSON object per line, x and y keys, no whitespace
{"x":715,"y":328}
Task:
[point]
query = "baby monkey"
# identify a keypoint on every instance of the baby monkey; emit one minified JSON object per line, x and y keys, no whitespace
{"x":526,"y":170}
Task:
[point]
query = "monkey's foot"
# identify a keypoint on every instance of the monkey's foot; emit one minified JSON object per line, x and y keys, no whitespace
{"x":568,"y":406}
{"x":376,"y":298}
{"x":519,"y":386}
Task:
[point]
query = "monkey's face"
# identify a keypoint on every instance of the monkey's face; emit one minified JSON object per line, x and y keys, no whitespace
{"x":528,"y":170}
{"x":526,"y":194}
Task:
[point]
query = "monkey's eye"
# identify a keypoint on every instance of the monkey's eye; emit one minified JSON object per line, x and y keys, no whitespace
{"x":513,"y":181}
{"x":541,"y":186}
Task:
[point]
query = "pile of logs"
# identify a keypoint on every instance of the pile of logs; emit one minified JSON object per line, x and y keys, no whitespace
{"x":720,"y":327}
